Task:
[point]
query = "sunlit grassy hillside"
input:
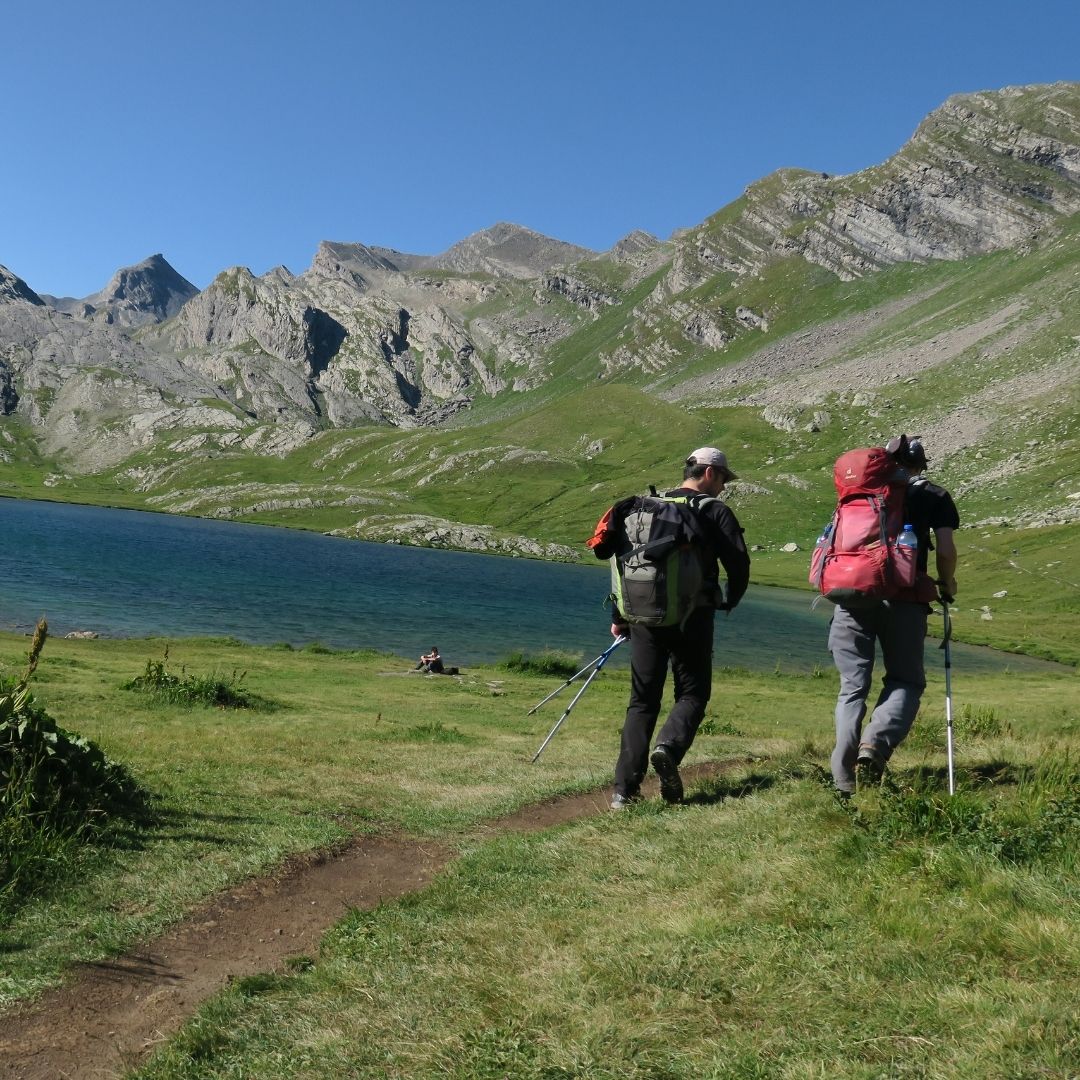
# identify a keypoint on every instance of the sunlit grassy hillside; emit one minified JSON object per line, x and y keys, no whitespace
{"x":980,"y":357}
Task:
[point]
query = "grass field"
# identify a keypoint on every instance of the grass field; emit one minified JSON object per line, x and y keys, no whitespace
{"x":763,"y":929}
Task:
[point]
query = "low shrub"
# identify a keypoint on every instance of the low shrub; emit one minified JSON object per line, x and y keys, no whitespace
{"x":163,"y":686}
{"x":548,"y":663}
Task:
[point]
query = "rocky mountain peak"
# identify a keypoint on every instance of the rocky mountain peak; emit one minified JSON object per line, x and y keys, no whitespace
{"x":335,"y":260}
{"x":14,"y":288}
{"x":508,"y":250}
{"x":150,"y":291}
{"x":633,"y":245}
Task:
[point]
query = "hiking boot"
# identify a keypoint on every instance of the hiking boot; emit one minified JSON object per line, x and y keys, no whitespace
{"x":869,"y":765}
{"x":671,"y":789}
{"x":619,"y":801}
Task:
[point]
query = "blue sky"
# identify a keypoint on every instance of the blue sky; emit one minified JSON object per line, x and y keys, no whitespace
{"x":235,"y":132}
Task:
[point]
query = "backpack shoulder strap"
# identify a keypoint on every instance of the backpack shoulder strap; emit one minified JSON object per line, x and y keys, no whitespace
{"x":695,"y":501}
{"x":696,"y":504}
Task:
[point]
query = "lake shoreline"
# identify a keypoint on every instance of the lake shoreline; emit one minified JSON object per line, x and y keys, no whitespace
{"x":510,"y":567}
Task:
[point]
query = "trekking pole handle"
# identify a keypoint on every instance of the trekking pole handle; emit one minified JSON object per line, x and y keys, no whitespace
{"x":946,"y":633}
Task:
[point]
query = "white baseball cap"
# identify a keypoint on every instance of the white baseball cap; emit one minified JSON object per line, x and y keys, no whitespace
{"x":709,"y":455}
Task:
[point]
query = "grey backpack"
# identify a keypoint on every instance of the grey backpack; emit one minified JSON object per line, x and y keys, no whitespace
{"x":657,"y":569}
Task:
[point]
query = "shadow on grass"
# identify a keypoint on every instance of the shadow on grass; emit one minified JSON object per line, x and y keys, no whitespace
{"x":987,"y":773}
{"x":169,"y":824}
{"x":720,"y":788}
{"x":144,"y":826}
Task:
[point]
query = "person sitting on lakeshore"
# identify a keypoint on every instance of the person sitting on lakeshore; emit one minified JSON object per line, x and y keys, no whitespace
{"x":431,"y":662}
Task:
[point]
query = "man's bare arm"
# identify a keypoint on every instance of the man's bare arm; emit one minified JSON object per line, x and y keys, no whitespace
{"x":946,"y":559}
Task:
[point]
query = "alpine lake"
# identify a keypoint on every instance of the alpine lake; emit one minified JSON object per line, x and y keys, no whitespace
{"x":124,"y":573}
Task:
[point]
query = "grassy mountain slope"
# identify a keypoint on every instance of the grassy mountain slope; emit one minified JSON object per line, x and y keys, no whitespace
{"x":547,"y":473}
{"x":741,"y":333}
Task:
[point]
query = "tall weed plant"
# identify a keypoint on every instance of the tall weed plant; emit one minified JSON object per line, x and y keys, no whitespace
{"x":169,"y":688}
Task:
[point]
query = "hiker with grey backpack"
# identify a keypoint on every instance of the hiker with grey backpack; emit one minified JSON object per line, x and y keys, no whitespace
{"x":665,"y":553}
{"x":872,"y":562}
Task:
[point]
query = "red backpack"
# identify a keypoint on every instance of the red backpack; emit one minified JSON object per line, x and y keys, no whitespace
{"x":866,"y":553}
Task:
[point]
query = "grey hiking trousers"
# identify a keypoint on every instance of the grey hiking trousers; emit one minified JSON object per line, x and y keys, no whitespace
{"x":900,"y":628}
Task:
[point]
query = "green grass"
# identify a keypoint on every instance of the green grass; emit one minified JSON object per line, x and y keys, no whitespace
{"x":761,"y":929}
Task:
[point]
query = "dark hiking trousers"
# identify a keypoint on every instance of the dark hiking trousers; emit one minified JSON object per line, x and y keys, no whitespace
{"x":900,"y":628}
{"x":689,"y":652}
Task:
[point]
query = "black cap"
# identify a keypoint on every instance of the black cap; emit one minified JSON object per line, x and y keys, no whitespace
{"x":916,"y":455}
{"x":907,"y":451}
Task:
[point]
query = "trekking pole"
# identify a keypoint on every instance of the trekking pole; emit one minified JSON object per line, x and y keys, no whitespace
{"x":577,"y":675}
{"x":600,"y":661}
{"x":945,"y":644}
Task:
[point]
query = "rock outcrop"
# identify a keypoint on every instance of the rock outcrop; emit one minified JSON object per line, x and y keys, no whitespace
{"x":983,"y":172}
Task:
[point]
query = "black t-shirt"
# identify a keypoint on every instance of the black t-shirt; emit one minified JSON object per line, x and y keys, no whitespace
{"x":927,"y":507}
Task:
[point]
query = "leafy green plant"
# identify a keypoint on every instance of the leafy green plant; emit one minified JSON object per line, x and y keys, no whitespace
{"x":166,"y":687}
{"x":56,"y":788}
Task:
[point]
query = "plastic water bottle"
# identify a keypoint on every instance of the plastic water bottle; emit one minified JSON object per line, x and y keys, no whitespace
{"x":826,"y":534}
{"x":907,"y":538}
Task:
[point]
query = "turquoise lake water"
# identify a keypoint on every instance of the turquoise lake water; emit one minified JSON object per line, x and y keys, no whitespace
{"x":126,"y":573}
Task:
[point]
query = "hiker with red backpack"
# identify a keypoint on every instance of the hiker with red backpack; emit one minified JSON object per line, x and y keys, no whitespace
{"x":664,"y":553}
{"x":872,"y":562}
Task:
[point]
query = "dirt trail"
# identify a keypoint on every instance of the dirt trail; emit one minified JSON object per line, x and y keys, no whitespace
{"x":109,"y":1016}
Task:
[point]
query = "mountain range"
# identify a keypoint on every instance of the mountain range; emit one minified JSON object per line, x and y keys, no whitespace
{"x":935,"y":291}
